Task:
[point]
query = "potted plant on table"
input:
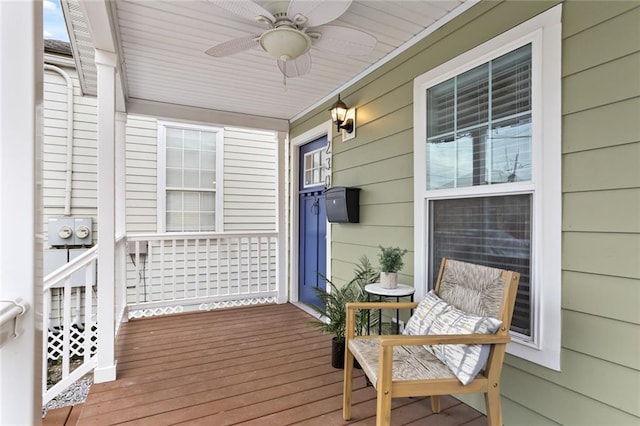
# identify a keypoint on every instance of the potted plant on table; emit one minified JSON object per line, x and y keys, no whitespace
{"x":333,"y":307}
{"x":390,"y":263}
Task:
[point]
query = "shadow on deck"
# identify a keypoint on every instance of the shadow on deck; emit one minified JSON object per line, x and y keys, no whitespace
{"x":258,"y":365}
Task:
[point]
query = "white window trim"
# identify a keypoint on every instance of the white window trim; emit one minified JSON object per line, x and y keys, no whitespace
{"x":162,"y":177}
{"x":544,"y":32}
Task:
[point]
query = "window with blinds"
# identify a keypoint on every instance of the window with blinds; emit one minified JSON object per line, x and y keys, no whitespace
{"x":478,"y":133}
{"x":190,"y":180}
{"x":492,"y":231}
{"x":479,"y":125}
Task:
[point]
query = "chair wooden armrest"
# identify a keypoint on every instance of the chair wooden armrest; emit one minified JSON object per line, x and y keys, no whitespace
{"x":446,"y":339}
{"x":380,"y":305}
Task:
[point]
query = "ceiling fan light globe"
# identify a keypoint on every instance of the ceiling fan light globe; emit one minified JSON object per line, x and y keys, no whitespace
{"x":285,"y":43}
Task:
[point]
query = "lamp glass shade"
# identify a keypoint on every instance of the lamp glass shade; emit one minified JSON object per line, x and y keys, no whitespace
{"x":285,"y":43}
{"x":338,"y":112}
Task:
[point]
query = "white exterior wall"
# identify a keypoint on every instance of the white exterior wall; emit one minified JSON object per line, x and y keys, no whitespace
{"x":84,"y":166}
{"x":141,"y":173}
{"x":250,"y":165}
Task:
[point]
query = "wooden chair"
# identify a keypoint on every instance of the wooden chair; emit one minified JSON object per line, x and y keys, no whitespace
{"x":402,"y":366}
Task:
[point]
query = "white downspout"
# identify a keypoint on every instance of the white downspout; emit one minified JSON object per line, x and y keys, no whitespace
{"x":69,"y":164}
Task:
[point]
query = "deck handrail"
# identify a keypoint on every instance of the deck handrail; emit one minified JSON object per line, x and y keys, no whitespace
{"x":11,"y":311}
{"x":180,"y":271}
{"x":70,"y":331}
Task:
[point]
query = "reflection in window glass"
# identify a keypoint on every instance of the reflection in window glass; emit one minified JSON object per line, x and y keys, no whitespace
{"x":479,"y":125}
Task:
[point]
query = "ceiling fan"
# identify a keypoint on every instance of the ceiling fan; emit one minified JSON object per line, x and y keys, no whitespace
{"x":292,"y":29}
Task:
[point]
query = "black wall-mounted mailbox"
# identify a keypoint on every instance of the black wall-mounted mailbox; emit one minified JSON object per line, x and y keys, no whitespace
{"x":343,"y":204}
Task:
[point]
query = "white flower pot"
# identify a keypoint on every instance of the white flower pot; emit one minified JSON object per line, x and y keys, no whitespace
{"x":389,"y":279}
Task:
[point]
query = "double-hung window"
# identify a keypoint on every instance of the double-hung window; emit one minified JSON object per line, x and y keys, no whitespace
{"x":487,"y":162}
{"x":189,"y":178}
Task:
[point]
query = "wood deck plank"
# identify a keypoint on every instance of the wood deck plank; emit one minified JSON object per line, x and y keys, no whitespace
{"x":260,"y":365}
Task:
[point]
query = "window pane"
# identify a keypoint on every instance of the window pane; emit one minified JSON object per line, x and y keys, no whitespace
{"x":511,"y":83}
{"x":207,"y":179}
{"x":174,"y":158}
{"x":191,"y":159}
{"x":191,"y":221}
{"x":174,"y":201}
{"x":511,"y":150}
{"x":208,"y":160}
{"x":491,"y":231}
{"x":208,"y":141}
{"x":207,"y":201}
{"x":207,"y":221}
{"x":174,"y":138}
{"x":472,"y":97}
{"x":192,"y":139}
{"x":191,"y":201}
{"x":440,"y":109}
{"x":174,"y":178}
{"x":191,"y":179}
{"x":174,"y":222}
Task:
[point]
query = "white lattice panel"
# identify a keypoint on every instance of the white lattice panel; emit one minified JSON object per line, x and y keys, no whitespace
{"x":154,"y":312}
{"x":77,"y":338}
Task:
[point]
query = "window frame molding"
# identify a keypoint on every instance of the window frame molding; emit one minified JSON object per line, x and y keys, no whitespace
{"x":544,"y":33}
{"x":161,"y":182}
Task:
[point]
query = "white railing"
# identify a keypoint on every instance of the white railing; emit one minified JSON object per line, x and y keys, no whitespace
{"x":176,"y":272}
{"x":70,"y":322}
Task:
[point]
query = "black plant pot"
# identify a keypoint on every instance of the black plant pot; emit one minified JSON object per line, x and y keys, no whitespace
{"x":337,"y":354}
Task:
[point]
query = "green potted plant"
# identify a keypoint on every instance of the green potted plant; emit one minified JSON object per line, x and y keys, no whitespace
{"x":390,"y":263}
{"x":333,"y":310}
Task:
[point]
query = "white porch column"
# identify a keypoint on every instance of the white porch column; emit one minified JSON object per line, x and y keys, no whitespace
{"x":21,"y":82}
{"x":106,"y":63}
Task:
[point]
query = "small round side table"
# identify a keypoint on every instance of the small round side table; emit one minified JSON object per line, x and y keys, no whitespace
{"x":376,"y":289}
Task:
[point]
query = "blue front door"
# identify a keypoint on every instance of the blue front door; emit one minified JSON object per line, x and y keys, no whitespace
{"x":313,"y":220}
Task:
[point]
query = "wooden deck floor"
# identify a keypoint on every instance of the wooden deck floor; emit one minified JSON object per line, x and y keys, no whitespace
{"x":259,"y":365}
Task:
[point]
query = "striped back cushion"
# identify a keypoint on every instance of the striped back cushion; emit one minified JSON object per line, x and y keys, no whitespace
{"x":472,"y":288}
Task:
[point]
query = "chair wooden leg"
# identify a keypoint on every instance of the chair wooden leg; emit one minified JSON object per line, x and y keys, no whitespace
{"x":435,"y":403}
{"x":348,"y":384}
{"x":493,"y":404}
{"x":385,"y":380}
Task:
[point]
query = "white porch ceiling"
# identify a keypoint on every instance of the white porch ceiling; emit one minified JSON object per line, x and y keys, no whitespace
{"x":162,"y":47}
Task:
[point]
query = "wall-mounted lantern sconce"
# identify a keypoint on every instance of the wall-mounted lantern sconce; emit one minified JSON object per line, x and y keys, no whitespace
{"x":344,"y":119}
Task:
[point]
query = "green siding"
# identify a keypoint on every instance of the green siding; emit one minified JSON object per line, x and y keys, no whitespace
{"x":600,"y":379}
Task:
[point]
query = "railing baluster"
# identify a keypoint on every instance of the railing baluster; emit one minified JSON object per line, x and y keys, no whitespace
{"x":196,"y":256}
{"x":66,"y":328}
{"x":88,"y":309}
{"x":228,"y":266}
{"x":218,"y":267}
{"x":207,"y":267}
{"x":173,"y":265}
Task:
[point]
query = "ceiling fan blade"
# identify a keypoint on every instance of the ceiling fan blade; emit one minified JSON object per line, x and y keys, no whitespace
{"x":233,"y":46}
{"x":244,"y":8}
{"x":317,"y":12}
{"x":344,"y":41}
{"x":297,"y":67}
